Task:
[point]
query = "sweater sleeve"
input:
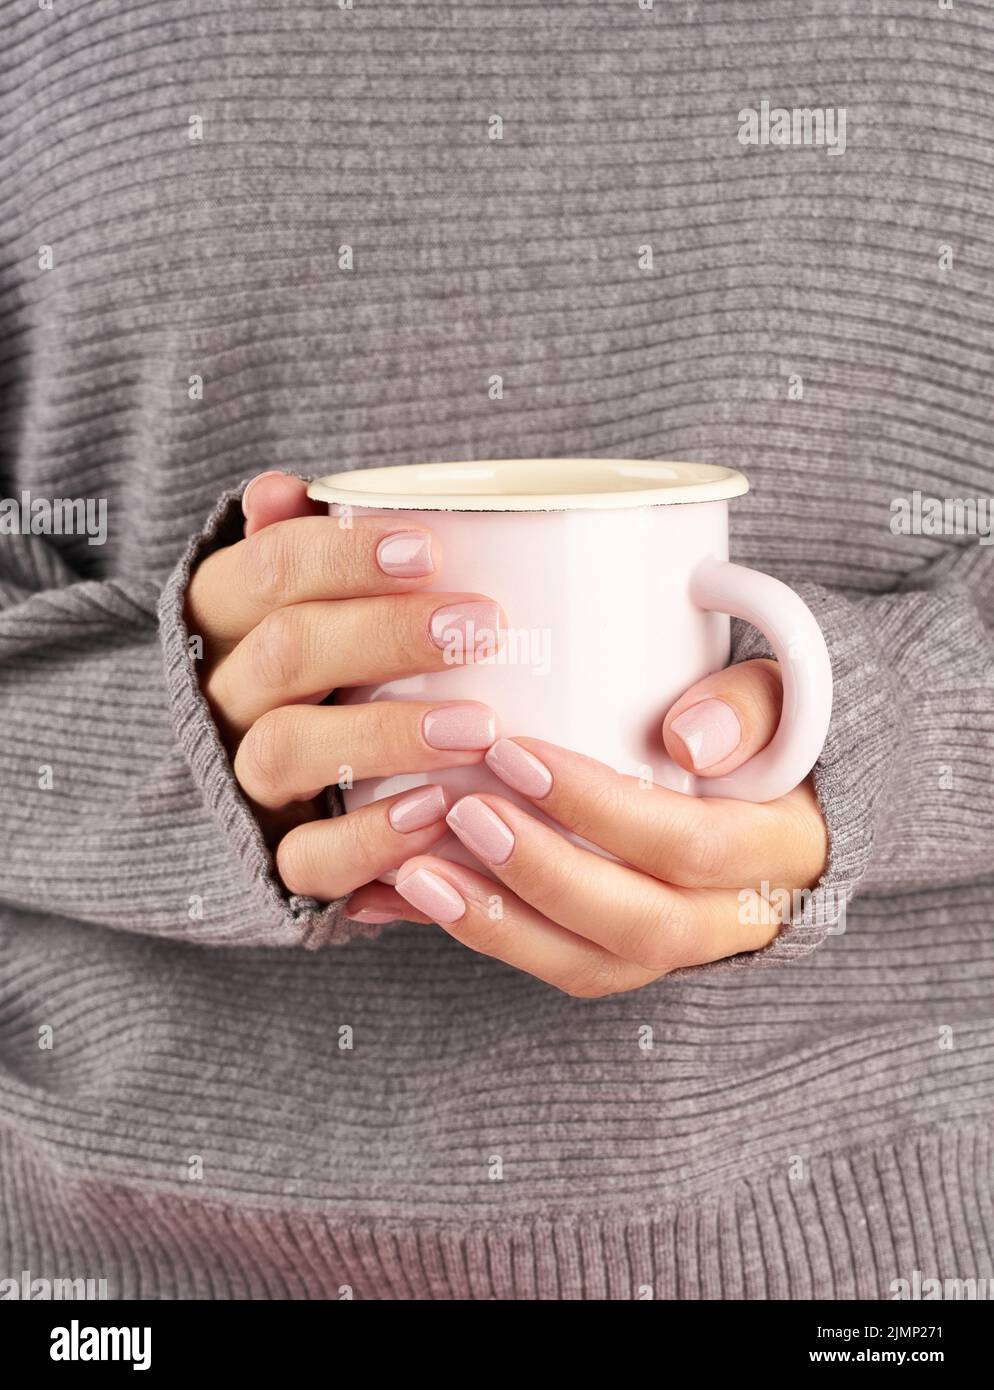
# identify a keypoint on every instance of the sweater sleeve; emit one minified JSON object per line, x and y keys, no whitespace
{"x":906,"y":776}
{"x":118,"y":799}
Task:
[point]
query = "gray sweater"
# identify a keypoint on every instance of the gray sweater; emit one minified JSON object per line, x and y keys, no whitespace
{"x":196,"y":1102}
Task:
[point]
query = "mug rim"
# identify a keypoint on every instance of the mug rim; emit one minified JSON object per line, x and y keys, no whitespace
{"x":558,"y":484}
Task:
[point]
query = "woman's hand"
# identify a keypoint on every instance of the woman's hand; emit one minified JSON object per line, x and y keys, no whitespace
{"x":697,"y":874}
{"x":304,"y":606}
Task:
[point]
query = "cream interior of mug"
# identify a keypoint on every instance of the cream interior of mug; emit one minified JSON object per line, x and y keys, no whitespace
{"x":530,"y":485}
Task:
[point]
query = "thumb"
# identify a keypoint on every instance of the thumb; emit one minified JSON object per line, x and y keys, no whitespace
{"x":720,"y":722}
{"x":270,"y":497}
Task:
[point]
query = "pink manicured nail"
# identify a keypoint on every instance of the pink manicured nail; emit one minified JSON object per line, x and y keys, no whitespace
{"x":370,"y":914}
{"x":431,"y":895}
{"x":466,"y":727}
{"x":466,"y":629}
{"x":710,"y":731}
{"x":520,"y":769}
{"x":481,"y":830}
{"x":416,"y":810}
{"x":405,"y":555}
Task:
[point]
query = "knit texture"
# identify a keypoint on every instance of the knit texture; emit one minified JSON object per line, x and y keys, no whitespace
{"x":274,"y":236}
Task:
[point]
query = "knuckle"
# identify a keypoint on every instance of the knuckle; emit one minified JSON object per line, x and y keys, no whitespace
{"x":651,"y":835}
{"x":383,"y":728}
{"x":363,"y":842}
{"x":395,"y":633}
{"x":274,"y":565}
{"x":296,"y":860}
{"x":277,"y":643}
{"x":594,"y":979}
{"x":763,"y":686}
{"x":593,"y":805}
{"x":349,"y":556}
{"x":803,"y":837}
{"x":402,"y":630}
{"x":657,"y":932}
{"x":704,"y":854}
{"x":262,"y":755}
{"x":484,"y":934}
{"x":553,"y":893}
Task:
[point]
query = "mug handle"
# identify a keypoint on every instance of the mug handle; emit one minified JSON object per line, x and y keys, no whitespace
{"x":805,"y":669}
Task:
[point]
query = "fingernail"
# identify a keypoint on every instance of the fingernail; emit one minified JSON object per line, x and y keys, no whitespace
{"x":710,"y":731}
{"x":405,"y":555}
{"x":466,"y":629}
{"x":416,"y":810}
{"x":270,"y":473}
{"x":431,"y":895}
{"x":481,"y":830}
{"x":370,"y":914}
{"x":466,"y":727}
{"x":520,"y":769}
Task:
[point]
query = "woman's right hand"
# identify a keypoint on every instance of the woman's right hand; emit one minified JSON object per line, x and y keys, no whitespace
{"x":305,"y":605}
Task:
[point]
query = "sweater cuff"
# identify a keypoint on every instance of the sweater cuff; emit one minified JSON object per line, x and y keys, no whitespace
{"x":850,"y":776}
{"x":281,"y":918}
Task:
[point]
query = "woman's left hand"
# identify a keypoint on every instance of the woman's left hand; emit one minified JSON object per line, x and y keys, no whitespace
{"x":702,"y":878}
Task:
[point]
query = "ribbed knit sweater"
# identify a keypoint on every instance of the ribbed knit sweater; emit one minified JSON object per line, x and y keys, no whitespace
{"x":192,"y":1104}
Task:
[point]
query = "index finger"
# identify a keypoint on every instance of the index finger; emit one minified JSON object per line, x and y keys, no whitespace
{"x":300,"y":560}
{"x":697,"y":842}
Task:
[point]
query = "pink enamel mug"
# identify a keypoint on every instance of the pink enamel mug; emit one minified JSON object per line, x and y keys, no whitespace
{"x":615,"y":580}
